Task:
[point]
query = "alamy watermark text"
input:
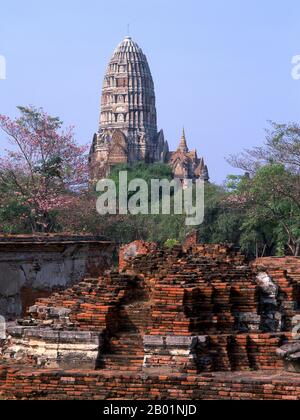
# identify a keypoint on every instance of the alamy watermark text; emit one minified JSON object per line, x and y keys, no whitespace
{"x":136,"y":198}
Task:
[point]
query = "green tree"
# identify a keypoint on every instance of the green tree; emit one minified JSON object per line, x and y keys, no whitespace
{"x":270,"y":193}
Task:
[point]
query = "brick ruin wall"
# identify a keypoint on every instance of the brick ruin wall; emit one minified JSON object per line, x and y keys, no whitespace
{"x":188,"y":323}
{"x":91,"y":385}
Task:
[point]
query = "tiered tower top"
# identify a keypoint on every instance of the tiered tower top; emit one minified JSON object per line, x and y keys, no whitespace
{"x":128,"y":98}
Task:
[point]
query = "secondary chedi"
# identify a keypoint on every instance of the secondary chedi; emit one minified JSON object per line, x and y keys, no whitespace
{"x":128,"y":121}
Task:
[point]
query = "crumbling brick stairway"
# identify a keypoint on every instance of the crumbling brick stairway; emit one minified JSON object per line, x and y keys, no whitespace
{"x":124,"y":351}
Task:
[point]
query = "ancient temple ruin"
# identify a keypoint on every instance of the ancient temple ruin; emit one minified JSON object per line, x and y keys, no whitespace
{"x":128,"y":121}
{"x":191,"y":322}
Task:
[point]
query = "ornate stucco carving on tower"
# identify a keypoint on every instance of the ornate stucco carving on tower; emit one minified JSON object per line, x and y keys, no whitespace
{"x":128,"y":120}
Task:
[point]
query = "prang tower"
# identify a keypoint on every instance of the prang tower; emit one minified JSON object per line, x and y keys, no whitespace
{"x":128,"y":120}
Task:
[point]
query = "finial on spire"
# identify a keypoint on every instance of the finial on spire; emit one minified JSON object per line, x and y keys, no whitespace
{"x":183,"y":144}
{"x":128,"y":30}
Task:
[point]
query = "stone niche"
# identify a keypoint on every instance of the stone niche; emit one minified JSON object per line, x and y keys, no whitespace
{"x":34,"y":266}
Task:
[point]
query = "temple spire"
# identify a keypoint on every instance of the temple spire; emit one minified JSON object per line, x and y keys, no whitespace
{"x":183,"y":144}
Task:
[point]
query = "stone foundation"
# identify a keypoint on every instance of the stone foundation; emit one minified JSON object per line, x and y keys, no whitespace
{"x":54,"y":348}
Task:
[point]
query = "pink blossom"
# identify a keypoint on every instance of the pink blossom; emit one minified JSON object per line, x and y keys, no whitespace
{"x":45,"y":168}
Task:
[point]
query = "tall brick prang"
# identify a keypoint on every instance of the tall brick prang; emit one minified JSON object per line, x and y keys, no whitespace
{"x":128,"y":121}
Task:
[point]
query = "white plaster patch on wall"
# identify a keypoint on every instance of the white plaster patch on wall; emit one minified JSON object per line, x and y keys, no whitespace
{"x":2,"y":67}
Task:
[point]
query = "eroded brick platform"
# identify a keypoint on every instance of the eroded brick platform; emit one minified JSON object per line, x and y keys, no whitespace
{"x":91,"y":385}
{"x":196,"y":322}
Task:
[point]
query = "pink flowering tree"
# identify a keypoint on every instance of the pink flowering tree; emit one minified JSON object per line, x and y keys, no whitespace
{"x":45,"y":170}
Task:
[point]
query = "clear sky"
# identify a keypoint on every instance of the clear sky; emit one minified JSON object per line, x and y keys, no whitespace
{"x":221,"y":68}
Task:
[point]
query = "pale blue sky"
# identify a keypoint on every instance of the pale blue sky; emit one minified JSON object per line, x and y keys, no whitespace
{"x":221,"y":68}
